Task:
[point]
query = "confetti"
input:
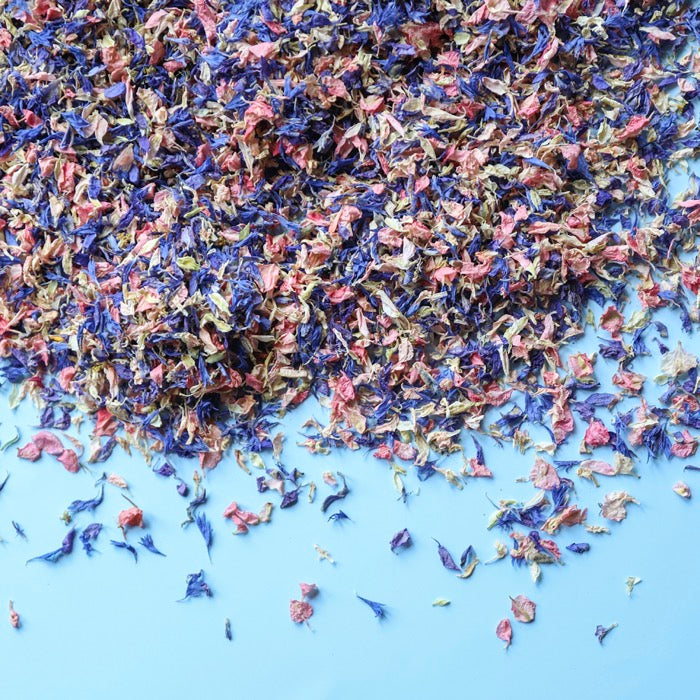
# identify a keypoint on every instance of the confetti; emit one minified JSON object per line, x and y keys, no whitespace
{"x":308,"y":590}
{"x":401,"y":540}
{"x":204,"y":527}
{"x":80,"y":506}
{"x":501,"y":552}
{"x":446,"y":558}
{"x":468,"y":561}
{"x":602,"y":632}
{"x":523,"y":608}
{"x":682,"y":489}
{"x":14,"y":616}
{"x":412,"y":222}
{"x":614,"y":507}
{"x":196,"y":587}
{"x":131,"y":517}
{"x":504,"y":631}
{"x":379,"y":609}
{"x":126,"y":546}
{"x":65,"y":548}
{"x":89,"y":535}
{"x":339,"y":516}
{"x":323,"y":554}
{"x":333,"y":498}
{"x":631,"y":582}
{"x":300,"y":610}
{"x":44,"y":441}
{"x":147,"y":542}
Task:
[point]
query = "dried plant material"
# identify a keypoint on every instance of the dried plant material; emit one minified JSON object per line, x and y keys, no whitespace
{"x":682,"y":489}
{"x":300,"y":610}
{"x":446,"y":558}
{"x":468,"y":562}
{"x":379,"y":609}
{"x":501,"y":552}
{"x":632,"y":581}
{"x":677,"y":362}
{"x":504,"y":631}
{"x":14,"y":617}
{"x":523,"y":608}
{"x":323,"y":554}
{"x":401,"y":540}
{"x":602,"y":632}
{"x":210,"y":212}
{"x":614,"y":506}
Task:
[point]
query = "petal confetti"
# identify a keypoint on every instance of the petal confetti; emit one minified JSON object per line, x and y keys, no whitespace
{"x":379,"y":609}
{"x":446,"y":558}
{"x":401,"y":540}
{"x":196,"y":587}
{"x":682,"y":489}
{"x":602,"y":632}
{"x":504,"y":631}
{"x":300,"y":610}
{"x":14,"y":616}
{"x":210,"y":212}
{"x":523,"y":608}
{"x":631,"y":582}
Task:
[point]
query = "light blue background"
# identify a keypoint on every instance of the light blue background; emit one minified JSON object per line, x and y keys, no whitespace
{"x":104,"y":627}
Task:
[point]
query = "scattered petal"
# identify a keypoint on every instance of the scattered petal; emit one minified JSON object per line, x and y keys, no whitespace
{"x":504,"y":631}
{"x":602,"y":632}
{"x":401,"y":540}
{"x":631,"y":582}
{"x":523,"y":608}
{"x":300,"y":610}
{"x":379,"y":609}
{"x":682,"y":489}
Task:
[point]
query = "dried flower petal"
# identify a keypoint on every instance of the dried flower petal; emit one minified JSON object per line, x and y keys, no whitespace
{"x":504,"y":631}
{"x":401,"y":540}
{"x":379,"y":609}
{"x":446,"y":558}
{"x":631,"y":582}
{"x":14,"y":617}
{"x":300,"y":610}
{"x":308,"y":590}
{"x":130,"y":517}
{"x":523,"y":608}
{"x":613,"y":508}
{"x":602,"y":632}
{"x":682,"y":489}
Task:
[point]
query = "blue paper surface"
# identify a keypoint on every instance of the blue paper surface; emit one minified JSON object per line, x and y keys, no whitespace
{"x":103,"y":626}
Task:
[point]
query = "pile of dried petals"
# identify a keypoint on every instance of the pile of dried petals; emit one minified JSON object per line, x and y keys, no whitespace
{"x":211,"y":210}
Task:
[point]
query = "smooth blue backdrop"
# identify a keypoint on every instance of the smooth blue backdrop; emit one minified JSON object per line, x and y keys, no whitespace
{"x":104,"y":627}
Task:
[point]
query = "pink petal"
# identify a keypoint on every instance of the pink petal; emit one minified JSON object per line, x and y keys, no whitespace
{"x":48,"y":442}
{"x":597,"y":434}
{"x":300,"y":610}
{"x":131,"y":517}
{"x":30,"y":451}
{"x":523,"y":608}
{"x":308,"y":590}
{"x":69,"y":459}
{"x":544,"y":476}
{"x":504,"y":631}
{"x":209,"y":460}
